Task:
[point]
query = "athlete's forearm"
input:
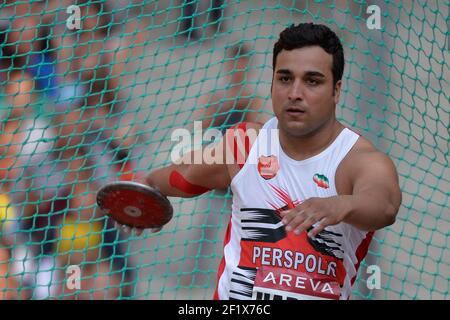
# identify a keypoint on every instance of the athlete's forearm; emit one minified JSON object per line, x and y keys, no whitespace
{"x":366,"y":212}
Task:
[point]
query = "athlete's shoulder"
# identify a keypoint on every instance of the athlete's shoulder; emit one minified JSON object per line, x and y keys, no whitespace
{"x":239,"y":140}
{"x":365,"y":155}
{"x":362,"y":145}
{"x":364,"y":148}
{"x":254,"y":126}
{"x":249,"y":125}
{"x":246,"y":129}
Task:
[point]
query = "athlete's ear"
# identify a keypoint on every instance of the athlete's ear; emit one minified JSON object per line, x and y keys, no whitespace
{"x":337,"y":91}
{"x":271,"y":84}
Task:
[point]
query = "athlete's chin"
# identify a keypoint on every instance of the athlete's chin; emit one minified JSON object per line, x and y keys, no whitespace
{"x":297,"y":129}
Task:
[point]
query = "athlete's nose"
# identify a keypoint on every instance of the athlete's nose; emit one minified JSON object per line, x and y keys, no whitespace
{"x":296,"y":91}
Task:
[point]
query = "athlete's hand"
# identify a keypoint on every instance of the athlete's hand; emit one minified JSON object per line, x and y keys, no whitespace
{"x":136,"y":231}
{"x":322,"y":212}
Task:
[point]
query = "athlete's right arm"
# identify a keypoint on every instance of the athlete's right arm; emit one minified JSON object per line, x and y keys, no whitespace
{"x":189,"y":178}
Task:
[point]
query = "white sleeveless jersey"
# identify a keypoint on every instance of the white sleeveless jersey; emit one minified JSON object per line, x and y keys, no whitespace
{"x":261,"y":260}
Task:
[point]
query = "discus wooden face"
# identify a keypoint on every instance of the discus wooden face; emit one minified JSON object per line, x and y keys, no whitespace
{"x":134,"y":204}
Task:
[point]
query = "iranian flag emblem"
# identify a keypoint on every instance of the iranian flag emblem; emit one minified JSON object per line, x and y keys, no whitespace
{"x":321,"y":181}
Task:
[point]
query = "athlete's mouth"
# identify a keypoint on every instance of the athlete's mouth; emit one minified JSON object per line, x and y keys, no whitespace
{"x":295,"y":110}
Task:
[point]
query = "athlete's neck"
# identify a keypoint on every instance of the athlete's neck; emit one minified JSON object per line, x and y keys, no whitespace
{"x":304,"y":147}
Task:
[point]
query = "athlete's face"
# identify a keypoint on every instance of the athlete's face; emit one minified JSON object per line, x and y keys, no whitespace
{"x":303,"y":96}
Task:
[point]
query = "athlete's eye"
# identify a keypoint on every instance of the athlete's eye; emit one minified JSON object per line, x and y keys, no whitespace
{"x":284,"y":79}
{"x":312,"y":82}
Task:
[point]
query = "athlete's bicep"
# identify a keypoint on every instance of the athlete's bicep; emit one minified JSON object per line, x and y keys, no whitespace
{"x":374,"y":174}
{"x":209,"y":168}
{"x":200,"y":171}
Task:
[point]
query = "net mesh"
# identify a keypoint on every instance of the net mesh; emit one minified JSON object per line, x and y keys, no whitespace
{"x":82,"y":105}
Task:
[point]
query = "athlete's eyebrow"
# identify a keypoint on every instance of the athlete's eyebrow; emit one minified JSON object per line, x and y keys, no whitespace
{"x":307,"y":73}
{"x":284,"y":71}
{"x":314,"y":74}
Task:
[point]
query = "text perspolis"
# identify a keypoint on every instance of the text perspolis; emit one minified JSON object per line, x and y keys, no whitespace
{"x":292,"y":260}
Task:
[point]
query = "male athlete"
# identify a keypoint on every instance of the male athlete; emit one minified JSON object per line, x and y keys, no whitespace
{"x":305,"y":209}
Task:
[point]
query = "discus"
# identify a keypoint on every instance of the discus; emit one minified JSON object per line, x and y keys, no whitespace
{"x":134,"y":204}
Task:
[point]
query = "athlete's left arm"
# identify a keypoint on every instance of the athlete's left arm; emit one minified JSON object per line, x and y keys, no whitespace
{"x":376,"y":195}
{"x":373,"y":203}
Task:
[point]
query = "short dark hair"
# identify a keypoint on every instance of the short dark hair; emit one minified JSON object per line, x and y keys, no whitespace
{"x":310,"y":34}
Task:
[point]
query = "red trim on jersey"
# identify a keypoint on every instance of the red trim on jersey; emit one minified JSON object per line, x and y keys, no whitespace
{"x":177,"y":180}
{"x":361,"y":252}
{"x":236,"y":142}
{"x":222,"y":261}
{"x":243,"y":126}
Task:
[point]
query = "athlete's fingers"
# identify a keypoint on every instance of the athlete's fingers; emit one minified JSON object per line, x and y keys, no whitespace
{"x":309,"y":221}
{"x":284,"y":213}
{"x":126,"y":229}
{"x":298,"y":219}
{"x":290,"y":216}
{"x":318,"y":228}
{"x":305,"y":225}
{"x":299,"y":209}
{"x":137,"y":231}
{"x":155,"y":230}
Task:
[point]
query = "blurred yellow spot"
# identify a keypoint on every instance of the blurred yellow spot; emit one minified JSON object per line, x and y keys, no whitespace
{"x":79,"y":235}
{"x":7,"y":212}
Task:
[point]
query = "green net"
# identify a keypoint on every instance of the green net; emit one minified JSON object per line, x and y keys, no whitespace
{"x":82,"y":105}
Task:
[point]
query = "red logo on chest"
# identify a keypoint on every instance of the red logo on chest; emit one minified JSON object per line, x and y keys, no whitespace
{"x":268,"y":166}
